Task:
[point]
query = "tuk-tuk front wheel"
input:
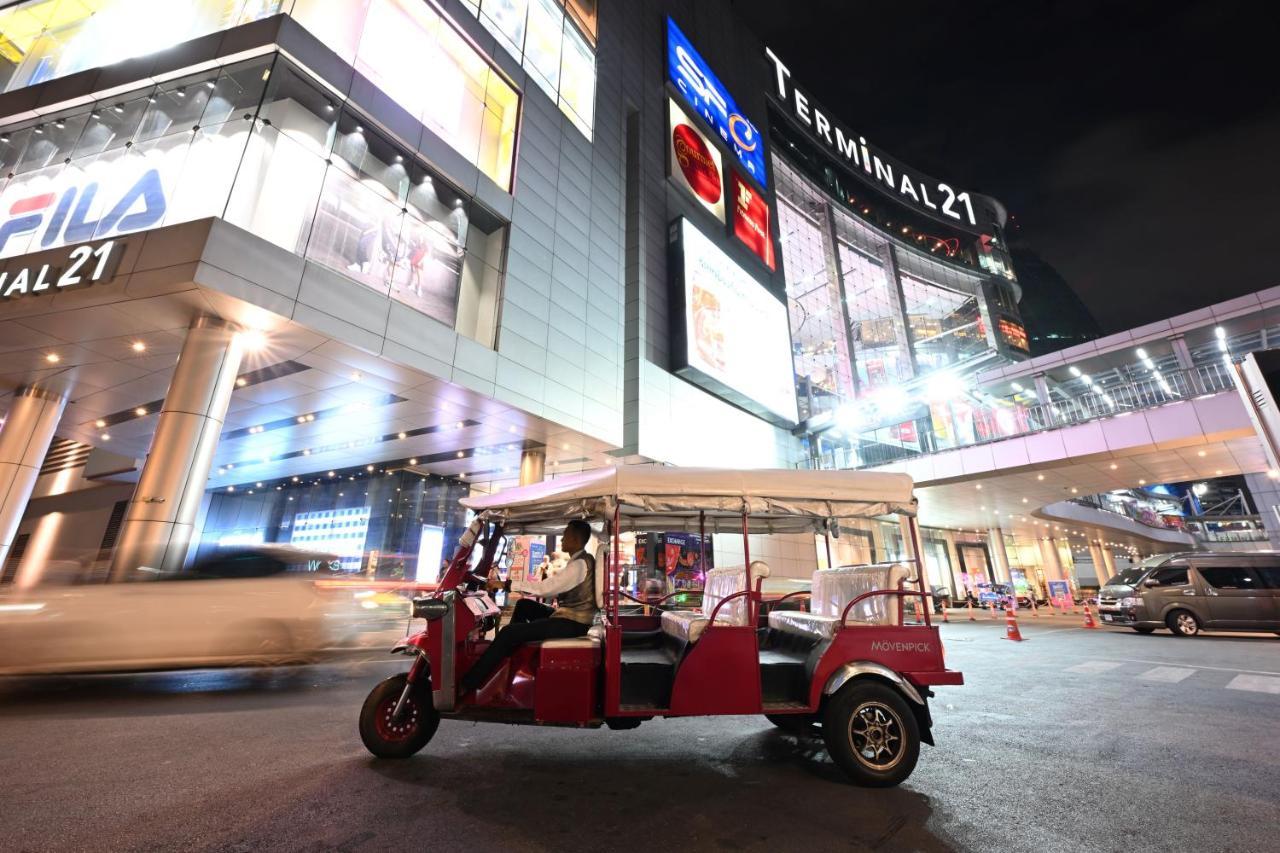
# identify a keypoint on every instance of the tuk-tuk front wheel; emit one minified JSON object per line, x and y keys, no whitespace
{"x":871,"y":733}
{"x":390,"y":735}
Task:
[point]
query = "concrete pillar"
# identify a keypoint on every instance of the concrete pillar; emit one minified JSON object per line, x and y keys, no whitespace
{"x":1099,"y":563}
{"x":1186,"y":363}
{"x":24,"y":442}
{"x":999,"y":555}
{"x":160,"y":521}
{"x":532,"y":465}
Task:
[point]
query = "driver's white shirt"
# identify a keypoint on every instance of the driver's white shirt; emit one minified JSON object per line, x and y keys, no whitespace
{"x":562,"y":581}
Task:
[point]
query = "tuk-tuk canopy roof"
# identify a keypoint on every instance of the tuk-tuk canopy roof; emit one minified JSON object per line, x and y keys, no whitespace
{"x":658,"y":498}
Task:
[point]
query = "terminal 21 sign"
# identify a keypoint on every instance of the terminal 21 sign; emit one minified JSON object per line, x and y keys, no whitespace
{"x":927,"y":195}
{"x":82,"y":265}
{"x":708,"y":97}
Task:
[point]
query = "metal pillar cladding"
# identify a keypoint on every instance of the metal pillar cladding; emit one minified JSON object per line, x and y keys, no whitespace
{"x":1052,"y":560}
{"x":1109,"y":559}
{"x":999,"y":555}
{"x":24,"y":442}
{"x":533,"y":464}
{"x":1099,"y":562}
{"x":160,"y":521}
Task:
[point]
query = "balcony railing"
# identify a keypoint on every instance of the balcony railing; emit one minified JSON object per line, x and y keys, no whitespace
{"x":949,"y":427}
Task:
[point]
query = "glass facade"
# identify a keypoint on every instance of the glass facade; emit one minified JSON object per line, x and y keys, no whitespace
{"x":263,"y":147}
{"x":869,"y":312}
{"x":393,"y":525}
{"x":395,"y":43}
{"x":554,"y":40}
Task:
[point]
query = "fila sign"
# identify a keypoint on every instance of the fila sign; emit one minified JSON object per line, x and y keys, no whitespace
{"x":69,"y":216}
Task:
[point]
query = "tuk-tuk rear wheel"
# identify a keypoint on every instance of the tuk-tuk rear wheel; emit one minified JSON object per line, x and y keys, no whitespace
{"x":871,"y":733}
{"x":387,"y":735}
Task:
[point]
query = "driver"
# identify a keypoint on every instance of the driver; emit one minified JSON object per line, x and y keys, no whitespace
{"x":574,"y":589}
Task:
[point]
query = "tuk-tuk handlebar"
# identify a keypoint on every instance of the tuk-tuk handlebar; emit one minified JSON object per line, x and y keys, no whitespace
{"x":901,"y":593}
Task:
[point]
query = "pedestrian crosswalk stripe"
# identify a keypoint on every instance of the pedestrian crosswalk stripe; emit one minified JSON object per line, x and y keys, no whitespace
{"x":1167,"y":674}
{"x":1255,"y":683}
{"x":1094,"y":666}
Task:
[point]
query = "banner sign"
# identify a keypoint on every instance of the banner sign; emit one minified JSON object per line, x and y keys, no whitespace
{"x":682,"y":560}
{"x":695,"y":162}
{"x":1060,"y":593}
{"x":708,"y":97}
{"x":751,"y":219}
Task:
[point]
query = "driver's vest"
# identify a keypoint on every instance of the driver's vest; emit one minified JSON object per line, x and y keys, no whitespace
{"x":579,"y":602}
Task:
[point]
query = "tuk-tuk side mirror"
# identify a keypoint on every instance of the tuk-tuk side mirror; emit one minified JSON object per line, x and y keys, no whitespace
{"x":430,"y":609}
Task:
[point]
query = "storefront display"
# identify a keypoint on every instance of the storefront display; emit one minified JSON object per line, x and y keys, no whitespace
{"x":682,"y":560}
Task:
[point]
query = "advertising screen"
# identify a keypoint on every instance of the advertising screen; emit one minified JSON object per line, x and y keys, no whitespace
{"x":340,"y":532}
{"x":737,"y":341}
{"x":708,"y":97}
{"x":751,"y":219}
{"x":695,"y":162}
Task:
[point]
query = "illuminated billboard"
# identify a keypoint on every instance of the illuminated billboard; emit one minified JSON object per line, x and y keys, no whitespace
{"x":695,"y":163}
{"x":751,"y":219}
{"x":731,"y":334}
{"x":709,"y":98}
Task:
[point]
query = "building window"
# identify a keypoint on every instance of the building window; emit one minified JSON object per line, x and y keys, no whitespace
{"x":397,"y":44}
{"x":264,"y":147}
{"x":45,"y":39}
{"x":557,"y":49}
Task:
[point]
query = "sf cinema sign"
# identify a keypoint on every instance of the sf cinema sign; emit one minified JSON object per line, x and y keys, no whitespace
{"x":84,"y":265}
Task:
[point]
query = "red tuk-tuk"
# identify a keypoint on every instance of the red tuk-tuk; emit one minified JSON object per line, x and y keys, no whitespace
{"x":850,"y":665}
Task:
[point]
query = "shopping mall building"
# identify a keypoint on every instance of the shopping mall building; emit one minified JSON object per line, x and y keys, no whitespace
{"x":307,"y":271}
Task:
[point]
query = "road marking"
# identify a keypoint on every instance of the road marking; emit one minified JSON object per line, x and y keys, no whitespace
{"x":1167,"y":674}
{"x":1091,"y":666}
{"x":1198,"y":666}
{"x":1255,"y":683}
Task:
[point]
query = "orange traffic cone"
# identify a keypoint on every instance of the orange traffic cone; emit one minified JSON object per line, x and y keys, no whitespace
{"x":968,"y":604}
{"x":1088,"y":617}
{"x":945,"y":620}
{"x":1035,"y":611}
{"x":991,"y":611}
{"x":1011,"y":631}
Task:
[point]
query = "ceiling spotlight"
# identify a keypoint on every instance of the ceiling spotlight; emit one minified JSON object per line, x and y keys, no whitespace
{"x":413,"y":461}
{"x":99,"y":423}
{"x":53,"y":358}
{"x":241,"y":382}
{"x":1114,"y":466}
{"x":139,"y":346}
{"x":106,"y":436}
{"x":368,"y":467}
{"x":402,"y":435}
{"x":140,"y":411}
{"x":253,"y":339}
{"x":1200,"y":454}
{"x":1039,"y":476}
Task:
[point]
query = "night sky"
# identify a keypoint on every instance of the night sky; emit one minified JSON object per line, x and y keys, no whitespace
{"x":1134,"y":143}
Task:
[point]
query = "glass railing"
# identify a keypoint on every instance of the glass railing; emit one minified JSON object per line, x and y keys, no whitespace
{"x":951,"y":426}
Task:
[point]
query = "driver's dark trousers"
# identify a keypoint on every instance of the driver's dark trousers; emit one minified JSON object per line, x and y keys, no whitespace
{"x":530,"y":621}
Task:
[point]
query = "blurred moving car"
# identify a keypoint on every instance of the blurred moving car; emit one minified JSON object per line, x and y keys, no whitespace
{"x":239,"y":607}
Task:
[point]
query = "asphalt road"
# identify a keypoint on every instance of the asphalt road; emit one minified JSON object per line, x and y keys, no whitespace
{"x":1074,"y":740}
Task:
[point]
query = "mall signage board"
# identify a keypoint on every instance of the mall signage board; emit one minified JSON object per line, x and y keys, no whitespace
{"x":917,"y":191}
{"x":695,"y":163}
{"x":708,"y":97}
{"x":751,"y":219}
{"x":80,"y":266}
{"x":731,"y":334}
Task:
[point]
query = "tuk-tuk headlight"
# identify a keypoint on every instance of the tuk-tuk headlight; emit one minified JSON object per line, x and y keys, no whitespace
{"x":430,"y":609}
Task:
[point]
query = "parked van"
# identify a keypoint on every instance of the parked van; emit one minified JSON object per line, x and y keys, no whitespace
{"x":1195,"y":591}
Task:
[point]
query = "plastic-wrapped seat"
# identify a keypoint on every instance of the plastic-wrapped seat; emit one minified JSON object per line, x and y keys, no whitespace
{"x":687,"y":625}
{"x":832,"y":591}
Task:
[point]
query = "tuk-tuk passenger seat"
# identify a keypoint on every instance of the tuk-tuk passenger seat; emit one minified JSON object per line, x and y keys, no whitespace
{"x":833,"y":589}
{"x":686,"y":626}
